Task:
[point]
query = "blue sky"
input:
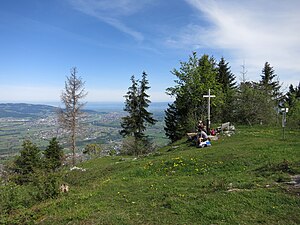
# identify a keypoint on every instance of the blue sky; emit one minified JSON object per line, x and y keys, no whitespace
{"x":110,"y":40}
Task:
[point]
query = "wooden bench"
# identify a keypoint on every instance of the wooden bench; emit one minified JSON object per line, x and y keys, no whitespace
{"x":225,"y":126}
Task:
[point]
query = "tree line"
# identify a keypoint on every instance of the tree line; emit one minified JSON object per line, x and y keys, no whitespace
{"x":248,"y":102}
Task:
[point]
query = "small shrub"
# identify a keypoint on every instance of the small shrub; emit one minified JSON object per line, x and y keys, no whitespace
{"x":133,"y":146}
{"x":14,"y":197}
{"x":45,"y":186}
{"x":219,"y":185}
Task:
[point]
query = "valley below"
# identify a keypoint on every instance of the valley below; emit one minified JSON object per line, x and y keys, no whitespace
{"x":39,"y":123}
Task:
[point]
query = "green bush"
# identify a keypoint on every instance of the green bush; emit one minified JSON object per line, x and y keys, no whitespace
{"x":133,"y":146}
{"x":14,"y":197}
{"x":45,"y":185}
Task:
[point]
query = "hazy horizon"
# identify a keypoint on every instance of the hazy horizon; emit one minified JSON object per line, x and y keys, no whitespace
{"x":97,"y":105}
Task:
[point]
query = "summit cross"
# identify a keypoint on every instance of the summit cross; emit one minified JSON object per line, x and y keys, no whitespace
{"x":208,"y":109}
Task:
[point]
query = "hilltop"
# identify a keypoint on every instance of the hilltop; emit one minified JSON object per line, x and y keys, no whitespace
{"x":242,"y":179}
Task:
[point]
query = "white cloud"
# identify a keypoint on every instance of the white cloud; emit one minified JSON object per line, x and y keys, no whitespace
{"x":112,"y":12}
{"x":255,"y":31}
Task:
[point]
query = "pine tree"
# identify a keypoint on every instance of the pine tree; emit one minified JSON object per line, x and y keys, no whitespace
{"x":172,"y":123}
{"x":138,"y":118}
{"x":292,"y":101}
{"x":70,"y":116}
{"x":292,"y":95}
{"x":28,"y":161}
{"x":145,"y":117}
{"x":129,"y":122}
{"x":53,"y":155}
{"x":271,"y":87}
{"x":228,"y":85}
{"x":271,"y":92}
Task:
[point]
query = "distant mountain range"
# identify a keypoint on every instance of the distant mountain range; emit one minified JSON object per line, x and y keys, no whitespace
{"x":24,"y":110}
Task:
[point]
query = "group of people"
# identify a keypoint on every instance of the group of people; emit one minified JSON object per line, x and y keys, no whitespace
{"x":201,"y":134}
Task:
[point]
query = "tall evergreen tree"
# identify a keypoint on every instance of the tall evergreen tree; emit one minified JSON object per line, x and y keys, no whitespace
{"x":228,"y":84}
{"x":28,"y":161}
{"x":53,"y":155}
{"x":172,"y":123}
{"x":292,"y":101}
{"x":292,"y":95}
{"x":145,"y":117}
{"x":272,"y":95}
{"x":70,"y":116}
{"x":268,"y":84}
{"x":129,"y":123}
{"x":136,"y":104}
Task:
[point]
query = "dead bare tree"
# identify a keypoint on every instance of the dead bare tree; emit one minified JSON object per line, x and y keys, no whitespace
{"x":70,"y":115}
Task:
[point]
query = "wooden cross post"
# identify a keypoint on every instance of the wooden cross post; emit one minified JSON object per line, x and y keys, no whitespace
{"x":208,"y":110}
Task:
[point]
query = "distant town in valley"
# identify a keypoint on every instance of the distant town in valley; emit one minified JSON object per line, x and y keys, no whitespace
{"x":39,"y":123}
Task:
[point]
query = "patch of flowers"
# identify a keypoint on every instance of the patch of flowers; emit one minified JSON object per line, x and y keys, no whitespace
{"x":77,"y":168}
{"x":177,"y":165}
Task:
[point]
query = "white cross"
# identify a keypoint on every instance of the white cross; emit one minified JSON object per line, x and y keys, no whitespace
{"x":208,"y":108}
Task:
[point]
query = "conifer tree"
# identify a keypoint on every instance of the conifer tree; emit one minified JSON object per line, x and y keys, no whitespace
{"x":270,"y":89}
{"x":292,"y":101}
{"x":268,"y":84}
{"x":70,"y":116}
{"x":145,"y":117}
{"x":292,"y":95}
{"x":172,"y":123}
{"x":228,"y":85}
{"x":129,"y":122}
{"x":28,"y":161}
{"x":136,"y":104}
{"x":53,"y":155}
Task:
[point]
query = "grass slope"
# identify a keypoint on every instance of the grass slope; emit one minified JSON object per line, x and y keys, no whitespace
{"x":239,"y":180}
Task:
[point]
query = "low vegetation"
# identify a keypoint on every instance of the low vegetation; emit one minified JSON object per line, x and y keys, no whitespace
{"x":242,"y":179}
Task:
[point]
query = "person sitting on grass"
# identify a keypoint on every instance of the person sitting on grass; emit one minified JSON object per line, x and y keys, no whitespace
{"x":202,"y":136}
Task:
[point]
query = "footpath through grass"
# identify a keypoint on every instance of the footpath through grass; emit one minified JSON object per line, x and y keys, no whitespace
{"x":239,"y":180}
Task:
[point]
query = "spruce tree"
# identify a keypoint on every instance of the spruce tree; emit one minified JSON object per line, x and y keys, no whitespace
{"x":292,"y":95}
{"x":53,"y":155}
{"x":228,"y":84}
{"x":271,"y":91}
{"x":136,"y":103}
{"x":28,"y":161}
{"x":172,"y":123}
{"x":129,"y":122}
{"x":292,"y":101}
{"x":145,"y":117}
{"x":268,"y":84}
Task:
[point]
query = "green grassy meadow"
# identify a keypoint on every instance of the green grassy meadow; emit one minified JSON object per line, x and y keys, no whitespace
{"x":241,"y":179}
